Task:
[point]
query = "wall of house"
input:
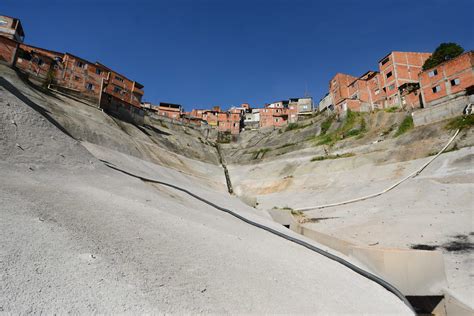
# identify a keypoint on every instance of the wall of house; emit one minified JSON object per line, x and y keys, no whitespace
{"x":8,"y":28}
{"x":338,"y":87}
{"x":122,"y":110}
{"x":460,"y":68}
{"x":8,"y":50}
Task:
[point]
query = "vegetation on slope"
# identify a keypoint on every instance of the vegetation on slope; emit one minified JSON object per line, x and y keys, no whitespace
{"x":461,"y":122}
{"x":405,"y":126}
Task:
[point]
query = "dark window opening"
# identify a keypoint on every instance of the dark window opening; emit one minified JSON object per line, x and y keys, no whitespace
{"x":389,"y":74}
{"x":90,"y":86}
{"x":433,"y":73}
{"x":436,"y":89}
{"x":455,"y":82}
{"x":80,"y":64}
{"x":118,"y":78}
{"x":98,"y":71}
{"x":385,"y":61}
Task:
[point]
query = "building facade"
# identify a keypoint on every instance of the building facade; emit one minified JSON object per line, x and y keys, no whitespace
{"x":11,"y":28}
{"x":447,"y":80}
{"x":400,"y":70}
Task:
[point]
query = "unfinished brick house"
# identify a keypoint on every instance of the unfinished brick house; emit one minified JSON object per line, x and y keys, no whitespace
{"x":340,"y":94}
{"x":169,"y":110}
{"x":8,"y":50}
{"x":448,"y":80}
{"x":11,"y":28}
{"x":211,"y":116}
{"x":274,"y":114}
{"x":366,"y":93}
{"x":399,"y":72}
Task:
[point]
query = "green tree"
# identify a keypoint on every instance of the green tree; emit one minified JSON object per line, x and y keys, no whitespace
{"x":445,"y":51}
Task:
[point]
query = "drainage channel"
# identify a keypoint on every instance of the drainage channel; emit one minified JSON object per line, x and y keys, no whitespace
{"x":226,"y":172}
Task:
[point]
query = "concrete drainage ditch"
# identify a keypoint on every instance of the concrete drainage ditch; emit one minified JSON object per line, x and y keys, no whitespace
{"x":418,"y":274}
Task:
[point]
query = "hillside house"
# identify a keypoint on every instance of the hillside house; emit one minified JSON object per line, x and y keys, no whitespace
{"x":326,"y":104}
{"x":399,"y":72}
{"x":11,"y":28}
{"x":339,"y":91}
{"x":448,"y":80}
{"x":170,"y":110}
{"x":303,"y":105}
{"x":274,"y":114}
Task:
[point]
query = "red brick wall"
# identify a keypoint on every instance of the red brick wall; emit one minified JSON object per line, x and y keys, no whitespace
{"x":7,"y":50}
{"x":458,"y":68}
{"x":338,"y":87}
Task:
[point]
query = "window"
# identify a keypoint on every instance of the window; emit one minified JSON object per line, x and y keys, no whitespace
{"x":385,"y":61}
{"x":90,"y":86}
{"x":391,"y":87}
{"x":455,"y":82}
{"x":80,"y":64}
{"x":118,"y":78}
{"x":98,"y":71}
{"x":117,"y":89}
{"x":433,"y":73}
{"x":77,"y":78}
{"x":40,"y":62}
{"x":389,"y":74}
{"x":436,"y":89}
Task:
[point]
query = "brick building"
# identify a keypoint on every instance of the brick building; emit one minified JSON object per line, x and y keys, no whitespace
{"x":340,"y":94}
{"x":399,"y":73}
{"x":8,"y":50}
{"x":11,"y":28}
{"x":448,"y":79}
{"x":170,"y":110}
{"x":274,"y":114}
{"x":366,"y":93}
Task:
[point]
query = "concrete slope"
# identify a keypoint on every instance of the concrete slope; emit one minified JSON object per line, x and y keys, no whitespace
{"x":79,"y":237}
{"x":431,"y":211}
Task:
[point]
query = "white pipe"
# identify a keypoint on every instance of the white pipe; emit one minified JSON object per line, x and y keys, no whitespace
{"x":412,"y":175}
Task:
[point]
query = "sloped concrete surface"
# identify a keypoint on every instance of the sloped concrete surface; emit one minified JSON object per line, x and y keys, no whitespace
{"x":81,"y":238}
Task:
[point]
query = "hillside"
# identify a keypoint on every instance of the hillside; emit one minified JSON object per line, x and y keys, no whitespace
{"x":81,"y":237}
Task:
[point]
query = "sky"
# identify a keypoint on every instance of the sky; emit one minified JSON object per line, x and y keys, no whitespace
{"x":202,"y":53}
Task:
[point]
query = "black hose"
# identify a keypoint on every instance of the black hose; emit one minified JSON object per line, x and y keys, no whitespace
{"x":331,"y":256}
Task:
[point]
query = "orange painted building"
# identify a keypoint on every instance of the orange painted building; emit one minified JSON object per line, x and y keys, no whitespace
{"x":401,"y":69}
{"x":448,"y":79}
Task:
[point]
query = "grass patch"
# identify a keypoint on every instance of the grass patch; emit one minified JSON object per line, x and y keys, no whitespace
{"x":405,"y":126}
{"x":345,"y":131}
{"x":461,"y":122}
{"x":297,"y":213}
{"x":392,"y":109}
{"x":259,"y":154}
{"x":326,"y":125}
{"x":320,"y":158}
{"x":286,"y":145}
{"x":295,"y":126}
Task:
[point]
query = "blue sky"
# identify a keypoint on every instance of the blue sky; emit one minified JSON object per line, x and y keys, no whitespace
{"x":202,"y":53}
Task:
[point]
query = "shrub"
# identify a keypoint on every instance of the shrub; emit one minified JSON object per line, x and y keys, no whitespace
{"x":445,"y":51}
{"x":326,"y":125}
{"x":461,"y":122}
{"x":320,"y":158}
{"x":405,"y":126}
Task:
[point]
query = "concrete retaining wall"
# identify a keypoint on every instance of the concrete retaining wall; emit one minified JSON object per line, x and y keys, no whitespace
{"x":442,"y":110}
